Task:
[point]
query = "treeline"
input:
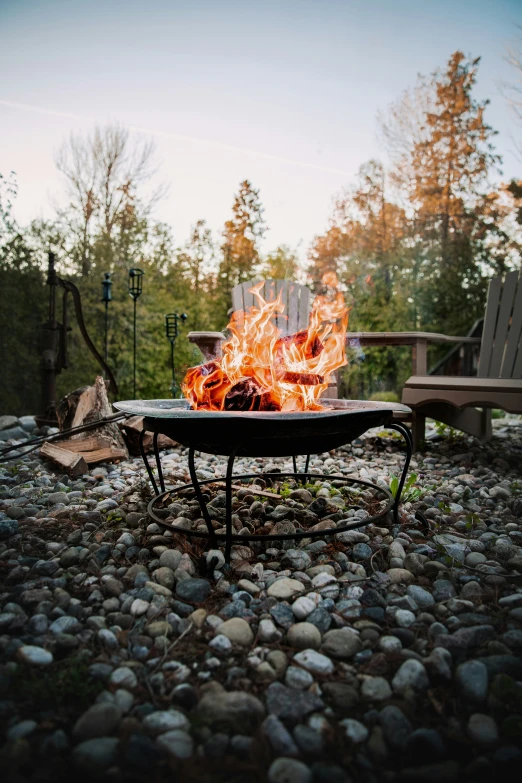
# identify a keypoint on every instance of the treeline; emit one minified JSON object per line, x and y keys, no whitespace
{"x":413,"y":241}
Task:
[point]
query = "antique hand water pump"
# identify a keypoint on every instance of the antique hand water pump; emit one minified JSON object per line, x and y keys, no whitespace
{"x":54,"y":343}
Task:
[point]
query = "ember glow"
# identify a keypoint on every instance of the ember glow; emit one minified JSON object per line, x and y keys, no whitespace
{"x":262,"y":370}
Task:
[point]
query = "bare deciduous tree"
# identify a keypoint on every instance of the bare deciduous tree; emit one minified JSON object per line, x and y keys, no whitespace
{"x":103,"y":172}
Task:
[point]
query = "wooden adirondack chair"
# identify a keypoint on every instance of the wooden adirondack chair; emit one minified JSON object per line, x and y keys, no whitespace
{"x":454,"y":400}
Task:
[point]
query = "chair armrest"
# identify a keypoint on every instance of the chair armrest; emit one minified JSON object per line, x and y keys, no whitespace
{"x":407,"y":338}
{"x":209,"y":343}
{"x":418,"y":341}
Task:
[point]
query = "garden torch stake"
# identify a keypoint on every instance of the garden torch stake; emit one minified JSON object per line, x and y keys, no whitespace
{"x":171,"y":332}
{"x":106,"y":298}
{"x":135,"y":290}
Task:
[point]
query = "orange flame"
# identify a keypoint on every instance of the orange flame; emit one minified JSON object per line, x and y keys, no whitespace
{"x":261,"y":370}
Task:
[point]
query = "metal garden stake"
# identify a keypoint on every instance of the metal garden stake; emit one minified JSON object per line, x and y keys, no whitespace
{"x":106,"y":298}
{"x":171,"y":332}
{"x":135,"y":290}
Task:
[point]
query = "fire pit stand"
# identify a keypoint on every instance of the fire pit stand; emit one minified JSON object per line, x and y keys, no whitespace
{"x":260,"y":434}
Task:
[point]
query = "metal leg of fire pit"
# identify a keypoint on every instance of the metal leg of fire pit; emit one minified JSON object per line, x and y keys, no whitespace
{"x":158,"y":461}
{"x":228,"y":522}
{"x":307,"y":463}
{"x":148,"y":467}
{"x":404,"y":431}
{"x":201,"y":499}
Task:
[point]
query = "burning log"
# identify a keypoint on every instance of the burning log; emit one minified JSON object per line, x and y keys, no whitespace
{"x":205,"y":385}
{"x":260,"y":370}
{"x":301,"y":378}
{"x":248,"y":395}
{"x":313,"y":348}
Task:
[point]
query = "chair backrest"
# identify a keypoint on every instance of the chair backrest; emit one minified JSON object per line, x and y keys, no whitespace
{"x":501,"y":349}
{"x":296,"y":300}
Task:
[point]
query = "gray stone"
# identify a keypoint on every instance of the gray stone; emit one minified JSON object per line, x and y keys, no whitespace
{"x":342,"y":643}
{"x":65,"y":624}
{"x":279,"y":737}
{"x":34,"y":656}
{"x":375,"y":689}
{"x":471,"y":678}
{"x":482,"y":730}
{"x":70,"y":557}
{"x":285,"y":588}
{"x":165,"y":577}
{"x":395,"y":726}
{"x":467,"y":638}
{"x":21,"y":729}
{"x":422,"y":597}
{"x":162,"y":721}
{"x":296,"y":559}
{"x":124,"y":677}
{"x":233,"y":710}
{"x":58,"y":497}
{"x":411,"y":674}
{"x":96,"y":755}
{"x":302,"y":607}
{"x":100,"y":720}
{"x":268,"y":633}
{"x":287,"y":770}
{"x":314,"y":662}
{"x":290,"y":704}
{"x":237,"y":630}
{"x":16,"y":433}
{"x":400,"y":576}
{"x":356,"y":731}
{"x":176,"y":743}
{"x":320,"y":618}
{"x":221,"y":644}
{"x":425,"y":746}
{"x":295,"y":677}
{"x":6,"y":422}
{"x":309,"y":740}
{"x":304,"y":636}
{"x":193,"y":590}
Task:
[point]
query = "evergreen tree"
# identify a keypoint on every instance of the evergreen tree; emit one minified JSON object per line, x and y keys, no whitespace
{"x":240,"y":253}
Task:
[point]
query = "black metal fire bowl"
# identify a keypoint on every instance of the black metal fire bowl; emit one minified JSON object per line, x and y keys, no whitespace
{"x":262,"y":433}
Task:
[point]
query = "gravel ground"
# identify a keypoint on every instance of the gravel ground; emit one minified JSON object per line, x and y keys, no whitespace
{"x":386,"y":653}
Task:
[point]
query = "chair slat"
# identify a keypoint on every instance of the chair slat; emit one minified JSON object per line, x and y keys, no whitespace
{"x":248,"y":298}
{"x":293,"y":307}
{"x":517,"y":369}
{"x":295,"y":298}
{"x":281,"y":319}
{"x":504,"y":314}
{"x":304,"y":308}
{"x":237,"y":298}
{"x":490,"y":323}
{"x":515,"y":332}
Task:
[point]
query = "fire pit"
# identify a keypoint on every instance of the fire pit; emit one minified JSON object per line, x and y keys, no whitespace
{"x":262,"y":398}
{"x":262,"y":434}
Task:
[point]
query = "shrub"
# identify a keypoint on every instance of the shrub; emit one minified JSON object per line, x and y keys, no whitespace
{"x":384,"y":396}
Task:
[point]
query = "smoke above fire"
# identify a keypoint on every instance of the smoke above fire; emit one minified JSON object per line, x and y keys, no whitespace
{"x":262,"y":369}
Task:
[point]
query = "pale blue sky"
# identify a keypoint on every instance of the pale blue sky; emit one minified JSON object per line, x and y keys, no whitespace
{"x":283,"y":93}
